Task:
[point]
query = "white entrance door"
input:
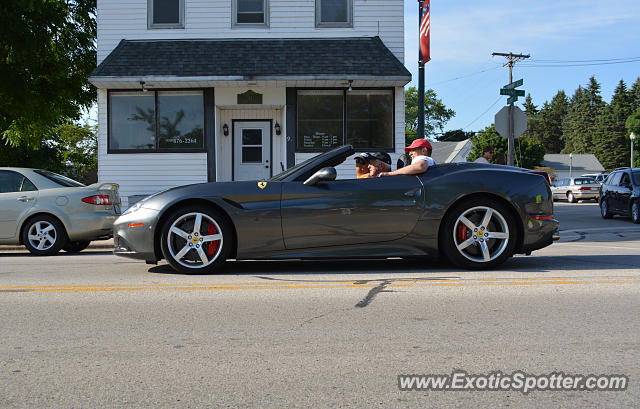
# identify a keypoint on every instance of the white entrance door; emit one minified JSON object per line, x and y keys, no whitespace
{"x":251,"y":150}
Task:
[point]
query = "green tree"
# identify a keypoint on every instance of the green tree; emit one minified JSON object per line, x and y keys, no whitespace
{"x":533,"y":120}
{"x":436,"y":114}
{"x":551,"y":117}
{"x":633,"y":125}
{"x":611,"y":142}
{"x":47,"y":50}
{"x":579,"y":128}
{"x":455,"y":136}
{"x":528,"y":152}
{"x":634,"y":94}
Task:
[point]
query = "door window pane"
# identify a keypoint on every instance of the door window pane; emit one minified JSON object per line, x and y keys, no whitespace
{"x":10,"y":181}
{"x":252,"y":137}
{"x":132,"y":121}
{"x":251,"y":154}
{"x":320,"y":119}
{"x":251,"y":11}
{"x":180,"y":120}
{"x":370,"y":119}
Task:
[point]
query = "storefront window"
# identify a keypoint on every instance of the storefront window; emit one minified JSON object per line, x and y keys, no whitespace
{"x":325,"y":121}
{"x":370,"y":119}
{"x":320,"y":119}
{"x":144,"y":121}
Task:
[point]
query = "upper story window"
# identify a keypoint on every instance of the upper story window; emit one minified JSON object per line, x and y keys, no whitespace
{"x":165,"y":13}
{"x":251,"y":13}
{"x":334,"y":13}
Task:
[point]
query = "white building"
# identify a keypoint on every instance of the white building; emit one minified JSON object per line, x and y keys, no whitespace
{"x":214,"y":90}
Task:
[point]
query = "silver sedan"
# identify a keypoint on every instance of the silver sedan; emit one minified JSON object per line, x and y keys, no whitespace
{"x":47,"y":212}
{"x":574,"y":189}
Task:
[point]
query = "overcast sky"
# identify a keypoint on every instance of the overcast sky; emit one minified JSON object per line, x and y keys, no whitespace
{"x":464,"y":33}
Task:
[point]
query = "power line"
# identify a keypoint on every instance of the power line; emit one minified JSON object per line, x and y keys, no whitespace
{"x":586,"y":64}
{"x":465,"y":76}
{"x":480,"y":116}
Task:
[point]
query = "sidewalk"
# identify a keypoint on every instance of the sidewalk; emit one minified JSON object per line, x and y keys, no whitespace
{"x":99,"y":244}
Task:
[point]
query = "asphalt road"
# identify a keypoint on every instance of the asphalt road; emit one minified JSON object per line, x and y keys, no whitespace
{"x":93,"y":330}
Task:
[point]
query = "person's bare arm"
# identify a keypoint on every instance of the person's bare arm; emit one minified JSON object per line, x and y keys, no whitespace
{"x":418,"y":167}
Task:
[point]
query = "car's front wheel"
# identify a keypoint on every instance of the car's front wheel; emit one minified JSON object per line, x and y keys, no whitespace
{"x":478,"y":234}
{"x":635,"y":212}
{"x":44,"y":235}
{"x":196,"y":240}
{"x":604,"y":209}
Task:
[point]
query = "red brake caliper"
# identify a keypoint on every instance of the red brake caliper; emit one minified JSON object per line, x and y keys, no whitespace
{"x":462,"y":233}
{"x":213,"y":245}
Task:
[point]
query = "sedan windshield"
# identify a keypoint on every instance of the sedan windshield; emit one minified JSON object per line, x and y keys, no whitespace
{"x":58,"y":179}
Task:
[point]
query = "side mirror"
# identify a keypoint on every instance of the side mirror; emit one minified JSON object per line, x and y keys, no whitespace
{"x":323,"y":174}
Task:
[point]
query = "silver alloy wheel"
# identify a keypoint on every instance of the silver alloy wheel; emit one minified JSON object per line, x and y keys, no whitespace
{"x":486,"y":234}
{"x":193,"y":240}
{"x":42,"y":235}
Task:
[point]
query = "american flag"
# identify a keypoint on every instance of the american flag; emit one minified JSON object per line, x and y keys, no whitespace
{"x":425,"y":24}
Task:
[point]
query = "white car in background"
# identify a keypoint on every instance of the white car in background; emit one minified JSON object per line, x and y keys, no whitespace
{"x":47,"y":212}
{"x":574,"y":189}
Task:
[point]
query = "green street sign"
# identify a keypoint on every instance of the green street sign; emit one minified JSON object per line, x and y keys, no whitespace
{"x":512,"y":92}
{"x":512,"y":99}
{"x":514,"y":84}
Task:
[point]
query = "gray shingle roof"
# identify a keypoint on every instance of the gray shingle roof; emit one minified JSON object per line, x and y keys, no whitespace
{"x":581,"y":162}
{"x":252,"y":58}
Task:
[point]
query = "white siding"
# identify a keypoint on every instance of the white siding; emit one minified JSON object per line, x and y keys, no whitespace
{"x":118,"y":19}
{"x":347,"y":170}
{"x":145,"y":173}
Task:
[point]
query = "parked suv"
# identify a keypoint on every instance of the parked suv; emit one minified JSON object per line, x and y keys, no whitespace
{"x":620,"y":194}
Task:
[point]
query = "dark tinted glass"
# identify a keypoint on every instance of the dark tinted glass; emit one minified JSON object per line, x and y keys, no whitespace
{"x":132,"y":120}
{"x":252,"y":136}
{"x":251,"y":155}
{"x":10,"y":181}
{"x":166,"y":11}
{"x":59,"y":179}
{"x":614,"y":179}
{"x":636,"y":177}
{"x":625,"y":180}
{"x":320,"y":119}
{"x":250,"y":11}
{"x":27,"y":186}
{"x":370,"y":119}
{"x":334,"y":11}
{"x":180,"y":120}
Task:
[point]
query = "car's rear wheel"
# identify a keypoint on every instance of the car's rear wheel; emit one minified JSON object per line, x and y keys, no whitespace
{"x":478,"y":234}
{"x":604,"y":209}
{"x":196,"y":240}
{"x":635,"y":212}
{"x":571,"y":198}
{"x":76,"y":246}
{"x":44,"y":235}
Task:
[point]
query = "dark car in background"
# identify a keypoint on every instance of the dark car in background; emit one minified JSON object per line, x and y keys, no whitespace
{"x":476,"y":215}
{"x":620,"y":194}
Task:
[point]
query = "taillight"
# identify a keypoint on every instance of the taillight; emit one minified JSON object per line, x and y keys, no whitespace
{"x":103,"y":200}
{"x":585,"y":188}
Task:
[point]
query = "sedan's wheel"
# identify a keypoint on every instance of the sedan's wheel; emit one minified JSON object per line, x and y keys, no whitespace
{"x":478,"y":234}
{"x":571,"y":198}
{"x":44,"y":235}
{"x":76,"y":246}
{"x":604,"y":209}
{"x":196,"y":240}
{"x":635,"y":212}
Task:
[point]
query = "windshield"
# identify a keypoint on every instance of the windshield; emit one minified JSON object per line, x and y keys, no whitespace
{"x":58,"y":179}
{"x":283,"y":175}
{"x":636,"y":177}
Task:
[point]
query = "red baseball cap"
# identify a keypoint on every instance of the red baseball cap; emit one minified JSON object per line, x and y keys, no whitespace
{"x":419,"y":143}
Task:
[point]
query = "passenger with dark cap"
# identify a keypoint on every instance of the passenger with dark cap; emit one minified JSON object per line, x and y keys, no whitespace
{"x":362,"y":165}
{"x":380,"y":162}
{"x":420,"y":152}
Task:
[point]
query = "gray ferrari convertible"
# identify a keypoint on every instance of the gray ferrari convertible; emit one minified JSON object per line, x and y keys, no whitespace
{"x":475,"y":215}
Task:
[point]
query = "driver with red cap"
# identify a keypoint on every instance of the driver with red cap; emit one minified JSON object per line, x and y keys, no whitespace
{"x":420,"y":152}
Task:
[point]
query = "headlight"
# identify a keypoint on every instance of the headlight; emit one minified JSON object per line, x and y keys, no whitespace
{"x":133,"y":208}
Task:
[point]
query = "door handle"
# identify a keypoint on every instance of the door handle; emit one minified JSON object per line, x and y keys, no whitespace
{"x":25,"y":198}
{"x":412,"y":193}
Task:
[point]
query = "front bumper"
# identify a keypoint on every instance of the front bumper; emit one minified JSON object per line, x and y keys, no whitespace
{"x":134,"y":234}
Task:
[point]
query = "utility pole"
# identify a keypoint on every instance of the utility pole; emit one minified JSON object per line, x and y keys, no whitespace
{"x":511,"y":60}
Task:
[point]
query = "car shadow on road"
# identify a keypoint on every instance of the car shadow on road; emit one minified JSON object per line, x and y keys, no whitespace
{"x":608,"y":263}
{"x":85,"y":253}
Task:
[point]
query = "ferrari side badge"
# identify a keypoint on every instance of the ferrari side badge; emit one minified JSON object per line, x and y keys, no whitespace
{"x":262,"y":185}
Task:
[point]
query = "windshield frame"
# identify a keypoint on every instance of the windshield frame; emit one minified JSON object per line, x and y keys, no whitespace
{"x":324,"y":159}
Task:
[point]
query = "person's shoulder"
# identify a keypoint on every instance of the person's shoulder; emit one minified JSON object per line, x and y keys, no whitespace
{"x":481,"y":160}
{"x":427,"y":159}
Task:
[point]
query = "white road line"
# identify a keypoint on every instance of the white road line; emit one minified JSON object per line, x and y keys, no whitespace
{"x":613,"y":229}
{"x":601,"y":247}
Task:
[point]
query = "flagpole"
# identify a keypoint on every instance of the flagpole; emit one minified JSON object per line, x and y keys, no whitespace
{"x":420,"y":78}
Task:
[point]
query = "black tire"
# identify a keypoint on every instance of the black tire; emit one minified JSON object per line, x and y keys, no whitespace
{"x":43,"y":235}
{"x":571,"y":198}
{"x":76,"y":246}
{"x":192,"y":242}
{"x":454,"y":233}
{"x":605,"y":211}
{"x":635,"y":212}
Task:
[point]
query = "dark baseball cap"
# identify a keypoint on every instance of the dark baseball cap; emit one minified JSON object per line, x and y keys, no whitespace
{"x":364,"y":157}
{"x":382,"y":156}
